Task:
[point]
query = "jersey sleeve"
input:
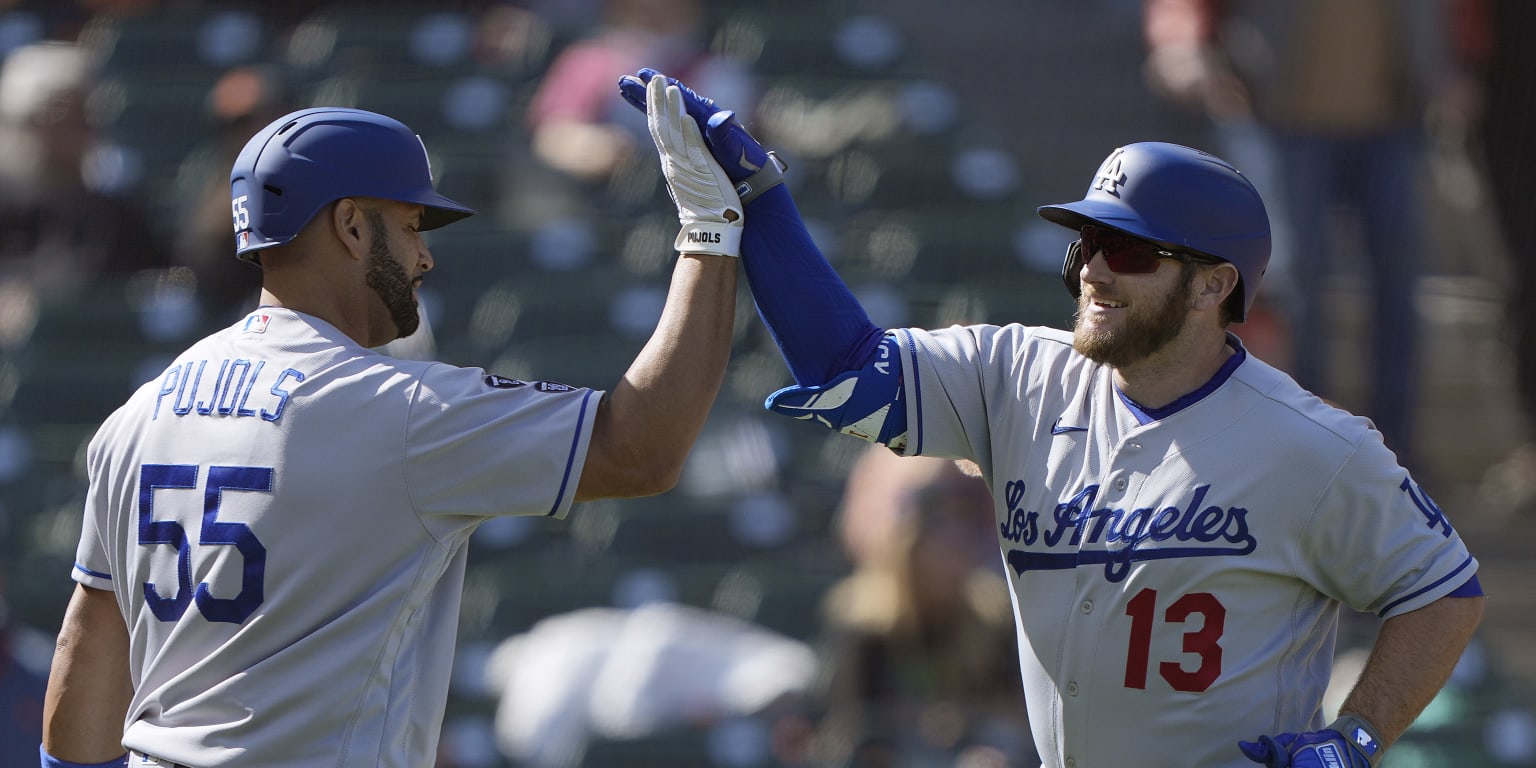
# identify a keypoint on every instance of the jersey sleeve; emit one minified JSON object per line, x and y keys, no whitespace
{"x":483,"y":445}
{"x":1379,"y":542}
{"x":950,"y":376}
{"x":93,"y":566}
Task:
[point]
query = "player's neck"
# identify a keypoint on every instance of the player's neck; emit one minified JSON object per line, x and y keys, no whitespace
{"x":1181,"y":367}
{"x":323,"y":307}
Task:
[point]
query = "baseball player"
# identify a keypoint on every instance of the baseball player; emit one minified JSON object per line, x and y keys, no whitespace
{"x":1180,"y":521}
{"x":274,"y":541}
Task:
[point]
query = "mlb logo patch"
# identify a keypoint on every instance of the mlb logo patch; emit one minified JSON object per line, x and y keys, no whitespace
{"x":256,"y":323}
{"x":1363,"y":738}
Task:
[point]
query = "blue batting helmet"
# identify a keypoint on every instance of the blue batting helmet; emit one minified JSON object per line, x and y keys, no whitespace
{"x":308,"y":159}
{"x":1180,"y":198}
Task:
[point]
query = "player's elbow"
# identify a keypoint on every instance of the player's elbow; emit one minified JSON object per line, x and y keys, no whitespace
{"x":624,"y":471}
{"x":658,"y":480}
{"x":649,"y":474}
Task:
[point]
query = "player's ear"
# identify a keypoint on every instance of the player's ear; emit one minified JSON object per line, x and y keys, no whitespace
{"x":347,"y":220}
{"x":1214,"y":284}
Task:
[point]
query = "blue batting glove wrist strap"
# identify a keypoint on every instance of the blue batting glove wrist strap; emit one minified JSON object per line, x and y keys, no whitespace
{"x":1361,"y":735}
{"x":49,"y":761}
{"x":770,"y":176}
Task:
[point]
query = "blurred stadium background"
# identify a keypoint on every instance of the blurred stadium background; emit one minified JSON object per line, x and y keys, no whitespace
{"x":920,"y":141}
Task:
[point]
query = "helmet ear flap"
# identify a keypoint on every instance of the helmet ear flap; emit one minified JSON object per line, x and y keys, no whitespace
{"x":1071,"y":266}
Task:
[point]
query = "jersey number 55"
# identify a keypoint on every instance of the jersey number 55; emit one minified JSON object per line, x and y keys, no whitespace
{"x":154,"y":533}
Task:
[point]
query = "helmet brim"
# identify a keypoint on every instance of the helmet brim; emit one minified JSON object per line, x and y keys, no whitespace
{"x":440,"y":212}
{"x":1074,"y":215}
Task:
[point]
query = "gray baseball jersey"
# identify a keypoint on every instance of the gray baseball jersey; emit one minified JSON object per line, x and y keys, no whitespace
{"x":283,"y":515}
{"x":1176,"y":583}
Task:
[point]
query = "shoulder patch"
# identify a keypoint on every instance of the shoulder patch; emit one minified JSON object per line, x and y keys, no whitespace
{"x":502,"y":382}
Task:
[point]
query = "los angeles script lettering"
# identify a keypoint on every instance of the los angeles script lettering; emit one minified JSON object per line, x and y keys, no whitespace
{"x":1129,"y":534}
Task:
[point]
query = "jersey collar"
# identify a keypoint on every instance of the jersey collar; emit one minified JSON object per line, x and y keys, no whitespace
{"x":1146,"y":416}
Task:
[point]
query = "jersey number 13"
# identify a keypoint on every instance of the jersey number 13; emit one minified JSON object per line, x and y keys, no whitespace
{"x":214,"y":532}
{"x":1203,"y":643}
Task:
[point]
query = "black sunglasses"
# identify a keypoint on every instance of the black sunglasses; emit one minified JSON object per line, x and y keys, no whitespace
{"x":1124,"y":254}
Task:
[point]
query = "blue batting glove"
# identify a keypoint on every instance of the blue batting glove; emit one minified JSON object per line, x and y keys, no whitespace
{"x":1328,"y":748}
{"x":632,"y":88}
{"x":752,"y":168}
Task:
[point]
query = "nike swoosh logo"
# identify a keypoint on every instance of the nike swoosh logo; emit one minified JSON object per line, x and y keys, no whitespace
{"x":1058,"y":429}
{"x":748,"y":164}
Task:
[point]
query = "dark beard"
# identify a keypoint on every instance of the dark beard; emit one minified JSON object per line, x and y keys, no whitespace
{"x":1145,"y":335}
{"x":388,"y":279}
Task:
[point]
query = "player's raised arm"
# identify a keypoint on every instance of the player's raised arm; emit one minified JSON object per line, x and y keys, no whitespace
{"x":648,"y":422}
{"x":842,"y":363}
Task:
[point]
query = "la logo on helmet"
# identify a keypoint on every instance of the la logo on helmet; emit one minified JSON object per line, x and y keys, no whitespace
{"x":1110,"y":177}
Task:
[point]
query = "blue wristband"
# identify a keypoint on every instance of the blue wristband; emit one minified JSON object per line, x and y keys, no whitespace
{"x":49,"y":761}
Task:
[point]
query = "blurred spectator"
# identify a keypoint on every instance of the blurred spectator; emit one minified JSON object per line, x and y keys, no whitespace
{"x":119,"y":7}
{"x":21,"y":698}
{"x":28,"y":21}
{"x":628,"y":674}
{"x":1508,"y":123}
{"x":1323,"y":102}
{"x":240,"y":103}
{"x":922,"y":654}
{"x":577,"y":125}
{"x":57,"y":231}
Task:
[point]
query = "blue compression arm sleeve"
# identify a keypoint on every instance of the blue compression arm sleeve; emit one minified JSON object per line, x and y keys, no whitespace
{"x":819,"y":327}
{"x":816,"y":322}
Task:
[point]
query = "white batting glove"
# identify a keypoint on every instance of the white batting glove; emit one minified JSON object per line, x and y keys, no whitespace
{"x":707,"y":205}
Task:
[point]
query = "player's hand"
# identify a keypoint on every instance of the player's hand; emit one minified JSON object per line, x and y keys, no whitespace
{"x":1328,"y":748}
{"x":707,"y":206}
{"x":754,"y":169}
